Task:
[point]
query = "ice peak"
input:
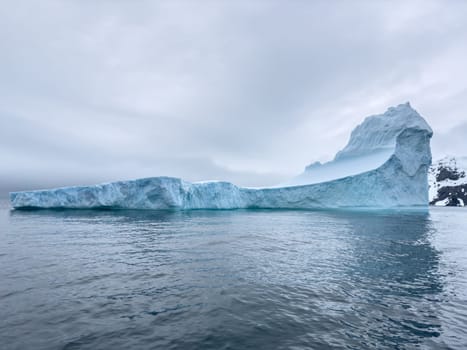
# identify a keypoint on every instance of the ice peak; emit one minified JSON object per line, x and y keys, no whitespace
{"x":379,"y":132}
{"x":402,"y":106}
{"x":403,"y":109}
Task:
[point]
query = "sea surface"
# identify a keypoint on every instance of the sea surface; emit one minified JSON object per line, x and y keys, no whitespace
{"x":241,"y":279}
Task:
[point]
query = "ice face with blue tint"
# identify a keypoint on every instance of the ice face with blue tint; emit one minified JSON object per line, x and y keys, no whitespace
{"x":384,"y":165}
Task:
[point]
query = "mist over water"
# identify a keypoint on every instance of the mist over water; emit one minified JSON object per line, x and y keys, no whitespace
{"x":244,"y":279}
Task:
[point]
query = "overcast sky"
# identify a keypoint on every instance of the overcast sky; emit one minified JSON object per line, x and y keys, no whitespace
{"x":246,"y":91}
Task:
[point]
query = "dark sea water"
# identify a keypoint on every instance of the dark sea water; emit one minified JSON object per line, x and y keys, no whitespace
{"x":233,"y":279}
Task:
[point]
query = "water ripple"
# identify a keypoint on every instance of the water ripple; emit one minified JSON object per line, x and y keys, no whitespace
{"x":233,"y":280}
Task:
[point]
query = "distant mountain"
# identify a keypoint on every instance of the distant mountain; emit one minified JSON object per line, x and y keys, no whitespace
{"x":447,"y":179}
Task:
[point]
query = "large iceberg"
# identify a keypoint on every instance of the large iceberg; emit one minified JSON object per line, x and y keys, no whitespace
{"x":384,"y":165}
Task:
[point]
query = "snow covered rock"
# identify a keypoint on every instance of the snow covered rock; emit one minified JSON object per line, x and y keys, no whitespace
{"x":384,"y":165}
{"x":447,"y":179}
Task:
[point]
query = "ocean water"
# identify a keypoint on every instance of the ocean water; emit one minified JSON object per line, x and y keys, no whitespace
{"x":81,"y":279}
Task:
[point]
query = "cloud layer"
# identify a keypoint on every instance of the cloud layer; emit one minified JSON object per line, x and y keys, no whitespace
{"x":249,"y":92}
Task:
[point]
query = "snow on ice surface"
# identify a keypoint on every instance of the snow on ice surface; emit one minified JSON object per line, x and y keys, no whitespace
{"x":384,"y":165}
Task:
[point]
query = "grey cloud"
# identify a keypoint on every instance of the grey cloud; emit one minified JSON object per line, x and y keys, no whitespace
{"x":451,"y":142}
{"x":246,"y":91}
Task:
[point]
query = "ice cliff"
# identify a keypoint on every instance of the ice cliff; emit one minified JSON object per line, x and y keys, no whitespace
{"x":384,"y":165}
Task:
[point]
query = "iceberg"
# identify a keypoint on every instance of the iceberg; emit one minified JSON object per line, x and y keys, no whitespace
{"x":384,"y":165}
